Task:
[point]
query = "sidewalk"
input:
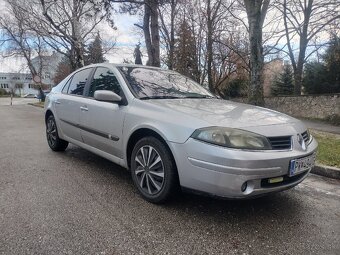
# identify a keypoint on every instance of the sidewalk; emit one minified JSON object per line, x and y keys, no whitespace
{"x":321,"y":126}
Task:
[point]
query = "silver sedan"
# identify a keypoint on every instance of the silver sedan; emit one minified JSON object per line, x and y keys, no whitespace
{"x":173,"y":134}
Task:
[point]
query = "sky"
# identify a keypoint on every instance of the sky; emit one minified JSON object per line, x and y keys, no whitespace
{"x":126,"y":36}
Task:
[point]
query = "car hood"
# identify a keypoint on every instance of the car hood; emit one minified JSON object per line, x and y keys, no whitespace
{"x":216,"y":112}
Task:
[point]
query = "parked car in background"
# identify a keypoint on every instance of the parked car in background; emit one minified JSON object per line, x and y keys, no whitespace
{"x":170,"y":132}
{"x":30,"y":96}
{"x":45,"y":93}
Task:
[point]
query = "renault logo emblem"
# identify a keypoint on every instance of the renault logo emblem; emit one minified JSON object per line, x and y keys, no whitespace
{"x":301,"y":142}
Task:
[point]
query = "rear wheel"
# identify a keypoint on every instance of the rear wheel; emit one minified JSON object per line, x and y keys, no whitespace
{"x":153,"y":170}
{"x":53,"y":140}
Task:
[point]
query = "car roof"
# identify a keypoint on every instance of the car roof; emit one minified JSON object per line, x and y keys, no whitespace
{"x":122,"y":65}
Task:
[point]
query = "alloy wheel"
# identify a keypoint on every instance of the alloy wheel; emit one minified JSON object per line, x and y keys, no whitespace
{"x":51,"y":131}
{"x":149,"y":170}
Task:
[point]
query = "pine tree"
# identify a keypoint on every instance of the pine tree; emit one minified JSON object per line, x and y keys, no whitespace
{"x":324,"y":77}
{"x":94,"y":53}
{"x":185,"y":54}
{"x":283,"y":84}
{"x":332,"y":64}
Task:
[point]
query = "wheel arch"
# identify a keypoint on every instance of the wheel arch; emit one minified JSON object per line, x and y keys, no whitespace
{"x":139,"y":134}
{"x":48,"y":114}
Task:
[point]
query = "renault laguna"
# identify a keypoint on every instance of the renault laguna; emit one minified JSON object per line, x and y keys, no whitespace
{"x":173,"y":134}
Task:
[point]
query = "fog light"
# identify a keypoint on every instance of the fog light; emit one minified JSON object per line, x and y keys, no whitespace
{"x":244,"y":187}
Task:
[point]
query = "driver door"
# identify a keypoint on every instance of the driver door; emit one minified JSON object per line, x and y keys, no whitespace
{"x":102,"y":122}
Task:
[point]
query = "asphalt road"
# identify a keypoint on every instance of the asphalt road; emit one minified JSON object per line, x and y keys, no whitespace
{"x":17,"y":101}
{"x":78,"y":203}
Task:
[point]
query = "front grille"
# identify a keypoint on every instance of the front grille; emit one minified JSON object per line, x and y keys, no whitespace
{"x":305,"y":136}
{"x":280,"y":142}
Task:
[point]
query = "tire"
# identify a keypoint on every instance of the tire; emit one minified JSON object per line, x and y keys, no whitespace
{"x":147,"y":173}
{"x":53,"y":140}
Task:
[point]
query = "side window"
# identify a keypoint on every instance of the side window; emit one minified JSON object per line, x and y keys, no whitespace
{"x":104,"y":79}
{"x":65,"y":88}
{"x":78,"y":82}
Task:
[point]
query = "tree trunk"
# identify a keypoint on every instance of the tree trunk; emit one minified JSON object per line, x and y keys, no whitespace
{"x":297,"y":82}
{"x":151,"y":32}
{"x":77,"y":44}
{"x":146,"y":30}
{"x":256,"y":63}
{"x":209,"y":48}
{"x":256,"y":11}
{"x":155,"y":33}
{"x":303,"y":43}
{"x":172,"y":36}
{"x":302,"y":53}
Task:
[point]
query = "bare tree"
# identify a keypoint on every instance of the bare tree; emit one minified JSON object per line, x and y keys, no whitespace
{"x":303,"y":21}
{"x":64,"y":25}
{"x":150,"y":29}
{"x":167,"y":28}
{"x":18,"y":40}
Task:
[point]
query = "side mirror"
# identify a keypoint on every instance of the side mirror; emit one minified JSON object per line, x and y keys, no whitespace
{"x":107,"y":96}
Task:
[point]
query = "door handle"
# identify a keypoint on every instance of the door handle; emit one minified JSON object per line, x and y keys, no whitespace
{"x":57,"y":102}
{"x":84,"y":108}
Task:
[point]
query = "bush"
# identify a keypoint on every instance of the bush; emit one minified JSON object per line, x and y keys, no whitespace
{"x":235,"y":88}
{"x":3,"y":92}
{"x":334,"y":119}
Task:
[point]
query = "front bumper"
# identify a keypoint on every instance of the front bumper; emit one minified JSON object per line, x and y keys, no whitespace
{"x":222,"y":171}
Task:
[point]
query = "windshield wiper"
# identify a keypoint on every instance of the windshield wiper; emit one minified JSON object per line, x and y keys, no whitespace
{"x":199,"y":96}
{"x":158,"y":97}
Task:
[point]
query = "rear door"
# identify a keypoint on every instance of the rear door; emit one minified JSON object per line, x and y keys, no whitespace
{"x":102,"y":122}
{"x":69,"y":102}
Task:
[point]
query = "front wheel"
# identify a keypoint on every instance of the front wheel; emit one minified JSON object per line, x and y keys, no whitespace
{"x":153,"y":170}
{"x":53,"y":139}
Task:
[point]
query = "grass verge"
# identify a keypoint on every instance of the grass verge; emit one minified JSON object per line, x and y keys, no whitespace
{"x":329,"y":148}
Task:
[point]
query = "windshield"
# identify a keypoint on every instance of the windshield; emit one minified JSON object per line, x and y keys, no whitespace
{"x":148,"y":83}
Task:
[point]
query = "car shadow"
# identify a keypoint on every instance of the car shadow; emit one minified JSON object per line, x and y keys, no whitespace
{"x":189,"y":218}
{"x":282,"y":205}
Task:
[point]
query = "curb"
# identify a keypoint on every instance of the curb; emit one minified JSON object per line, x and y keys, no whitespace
{"x":326,"y":171}
{"x":36,"y":105}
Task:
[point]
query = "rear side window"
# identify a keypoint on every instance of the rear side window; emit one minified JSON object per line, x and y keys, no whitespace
{"x":78,"y":82}
{"x":66,"y":86}
{"x":104,"y":79}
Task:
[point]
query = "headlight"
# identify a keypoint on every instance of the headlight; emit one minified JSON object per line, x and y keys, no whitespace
{"x":232,"y":138}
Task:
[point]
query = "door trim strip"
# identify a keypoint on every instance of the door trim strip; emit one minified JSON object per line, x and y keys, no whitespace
{"x":93,"y":131}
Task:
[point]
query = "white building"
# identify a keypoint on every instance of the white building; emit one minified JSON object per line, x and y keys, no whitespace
{"x":49,"y":65}
{"x":22,"y":83}
{"x":19,"y":83}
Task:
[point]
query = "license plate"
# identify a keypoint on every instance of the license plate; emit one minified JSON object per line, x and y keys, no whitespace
{"x":297,"y":166}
